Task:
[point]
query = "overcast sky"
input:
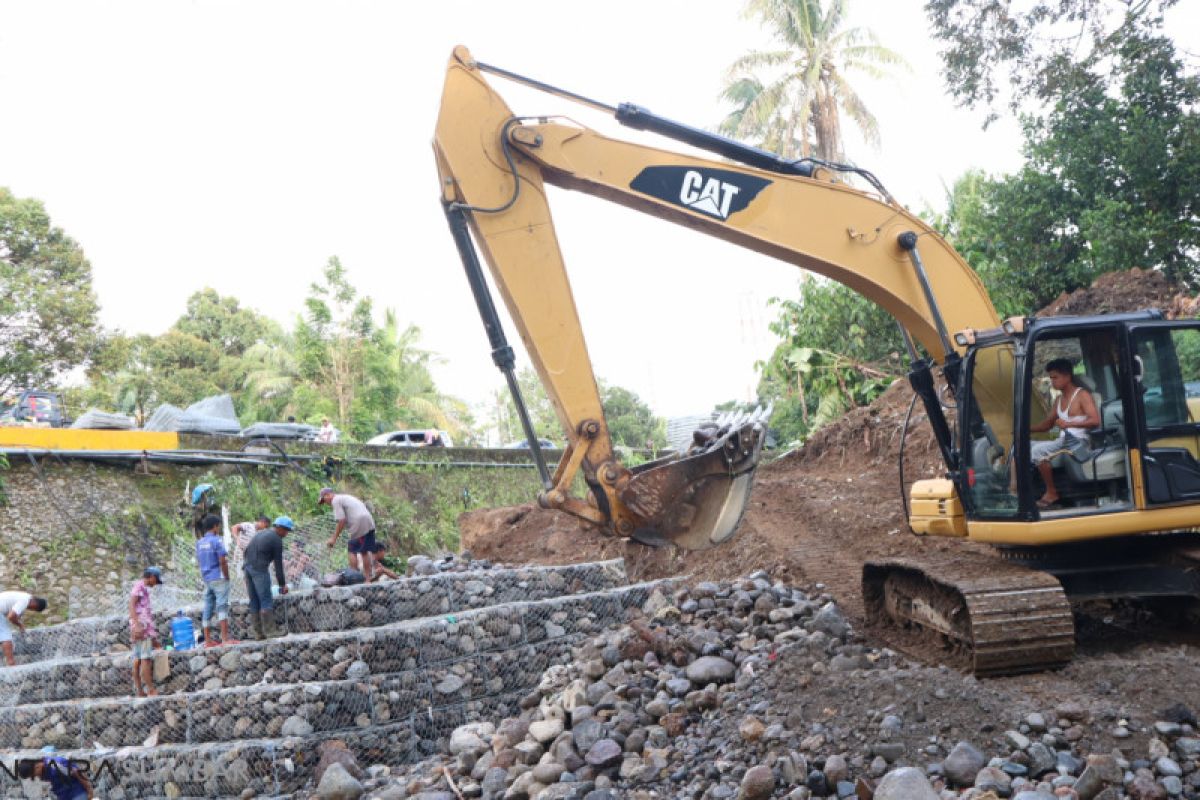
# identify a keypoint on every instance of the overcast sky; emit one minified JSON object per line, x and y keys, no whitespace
{"x":239,"y":144}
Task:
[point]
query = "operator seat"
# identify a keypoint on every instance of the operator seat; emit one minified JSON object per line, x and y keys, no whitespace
{"x":1105,"y":459}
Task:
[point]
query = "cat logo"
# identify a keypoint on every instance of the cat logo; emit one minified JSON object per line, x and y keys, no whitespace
{"x":711,"y":196}
{"x":716,"y":193}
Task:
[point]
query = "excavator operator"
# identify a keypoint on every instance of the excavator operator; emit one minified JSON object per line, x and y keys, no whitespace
{"x":1073,"y":418}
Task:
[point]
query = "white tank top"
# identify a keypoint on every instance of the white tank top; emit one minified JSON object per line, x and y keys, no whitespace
{"x":1078,"y":433}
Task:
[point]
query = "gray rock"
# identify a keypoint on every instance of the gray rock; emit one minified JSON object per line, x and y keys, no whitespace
{"x":297,"y":726}
{"x":1016,"y":739}
{"x":338,"y":784}
{"x":1041,"y":759}
{"x":604,"y":753}
{"x":545,"y":730}
{"x":1167,"y":766}
{"x":679,"y":686}
{"x":963,"y":764}
{"x":993,"y":779}
{"x":906,"y":783}
{"x":836,"y":770}
{"x":830,"y":620}
{"x":465,"y":740}
{"x":587,"y":733}
{"x":230,"y":661}
{"x":358,"y":670}
{"x":450,"y":684}
{"x":710,"y":669}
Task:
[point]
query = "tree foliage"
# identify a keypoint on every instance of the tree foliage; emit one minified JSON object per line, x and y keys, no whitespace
{"x":47,"y":307}
{"x":1110,"y":183}
{"x":837,"y":350}
{"x":631,"y":423}
{"x":991,"y":47}
{"x":792,"y":99}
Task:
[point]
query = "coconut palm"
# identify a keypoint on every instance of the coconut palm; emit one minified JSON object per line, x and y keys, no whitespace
{"x":791,"y":100}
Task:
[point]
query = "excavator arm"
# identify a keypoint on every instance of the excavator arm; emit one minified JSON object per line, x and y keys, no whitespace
{"x":494,"y":167}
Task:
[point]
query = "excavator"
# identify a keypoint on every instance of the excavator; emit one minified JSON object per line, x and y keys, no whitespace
{"x":1126,"y":522}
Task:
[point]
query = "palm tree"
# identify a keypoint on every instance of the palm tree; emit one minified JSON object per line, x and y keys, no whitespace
{"x":791,"y":100}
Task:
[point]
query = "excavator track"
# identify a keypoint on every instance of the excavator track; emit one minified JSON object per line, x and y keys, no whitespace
{"x":979,"y":615}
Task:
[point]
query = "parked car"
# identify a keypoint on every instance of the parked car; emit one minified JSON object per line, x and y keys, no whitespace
{"x":33,"y":409}
{"x":543,"y":443}
{"x":412,"y":439}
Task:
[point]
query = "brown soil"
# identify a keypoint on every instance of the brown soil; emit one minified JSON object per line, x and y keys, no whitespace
{"x":817,"y":513}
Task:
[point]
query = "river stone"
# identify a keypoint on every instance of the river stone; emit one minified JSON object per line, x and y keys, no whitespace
{"x":545,"y":730}
{"x":604,"y":753}
{"x":297,"y":726}
{"x":338,"y":784}
{"x":758,"y":783}
{"x":587,"y":733}
{"x":830,"y":620}
{"x":993,"y":779}
{"x":906,"y":783}
{"x":465,"y":740}
{"x":710,"y":669}
{"x":230,"y":661}
{"x":963,"y":764}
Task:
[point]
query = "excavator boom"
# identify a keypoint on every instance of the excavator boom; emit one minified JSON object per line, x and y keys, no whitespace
{"x":495,"y":166}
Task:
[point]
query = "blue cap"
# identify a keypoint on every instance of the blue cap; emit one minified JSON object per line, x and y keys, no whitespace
{"x":153,"y":571}
{"x":284,"y":522}
{"x":49,"y":750}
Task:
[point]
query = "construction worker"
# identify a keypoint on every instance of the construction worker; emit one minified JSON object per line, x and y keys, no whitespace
{"x":214,"y":571}
{"x":12,"y":606}
{"x":265,"y":549}
{"x":355,"y":518}
{"x":142,"y":633}
{"x":67,"y":781}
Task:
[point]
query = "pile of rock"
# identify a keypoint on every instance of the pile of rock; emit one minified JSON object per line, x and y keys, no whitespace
{"x":719,"y":692}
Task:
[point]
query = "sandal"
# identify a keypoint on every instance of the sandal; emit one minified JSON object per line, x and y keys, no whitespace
{"x":1047,"y":504}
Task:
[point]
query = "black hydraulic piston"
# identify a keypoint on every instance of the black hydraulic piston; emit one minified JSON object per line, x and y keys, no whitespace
{"x":502,"y":352}
{"x":642,"y":119}
{"x":920,"y":377}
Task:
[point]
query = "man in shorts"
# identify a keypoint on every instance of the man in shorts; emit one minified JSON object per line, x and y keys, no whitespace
{"x":12,"y":606}
{"x":214,"y":571}
{"x":353,"y":516}
{"x":143,"y":636}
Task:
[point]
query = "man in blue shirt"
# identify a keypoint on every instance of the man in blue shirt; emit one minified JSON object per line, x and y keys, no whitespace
{"x":214,"y":570}
{"x":67,"y":781}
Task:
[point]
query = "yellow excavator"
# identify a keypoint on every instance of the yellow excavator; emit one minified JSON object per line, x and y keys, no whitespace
{"x":1125,"y":524}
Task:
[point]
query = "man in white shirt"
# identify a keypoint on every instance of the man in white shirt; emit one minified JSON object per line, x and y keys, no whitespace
{"x":12,"y":606}
{"x":355,"y":518}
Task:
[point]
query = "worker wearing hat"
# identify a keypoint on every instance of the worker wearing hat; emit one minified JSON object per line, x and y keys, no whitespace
{"x":265,"y":549}
{"x":353,"y":516}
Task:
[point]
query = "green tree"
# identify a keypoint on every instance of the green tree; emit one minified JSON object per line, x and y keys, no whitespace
{"x":223,"y":322}
{"x":1110,"y":182}
{"x":631,"y":423}
{"x":47,"y":307}
{"x":791,"y":99}
{"x":332,"y":338}
{"x":537,"y":403}
{"x":837,"y":350}
{"x":1031,"y":48}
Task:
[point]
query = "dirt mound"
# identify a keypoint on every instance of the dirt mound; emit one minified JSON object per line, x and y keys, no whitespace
{"x":1117,"y":292}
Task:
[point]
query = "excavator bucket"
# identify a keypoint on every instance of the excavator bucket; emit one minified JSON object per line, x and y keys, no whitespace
{"x":696,"y":501}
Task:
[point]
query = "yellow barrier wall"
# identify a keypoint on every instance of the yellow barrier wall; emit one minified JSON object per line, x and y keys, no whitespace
{"x":72,"y":439}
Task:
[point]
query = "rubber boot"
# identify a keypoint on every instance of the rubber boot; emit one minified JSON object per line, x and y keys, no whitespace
{"x":256,"y":627}
{"x":269,"y":626}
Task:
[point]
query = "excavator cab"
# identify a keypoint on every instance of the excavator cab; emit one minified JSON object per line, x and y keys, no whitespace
{"x":1143,"y":374}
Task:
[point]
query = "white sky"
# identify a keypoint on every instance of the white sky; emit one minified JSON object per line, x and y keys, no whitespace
{"x":239,"y":144}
